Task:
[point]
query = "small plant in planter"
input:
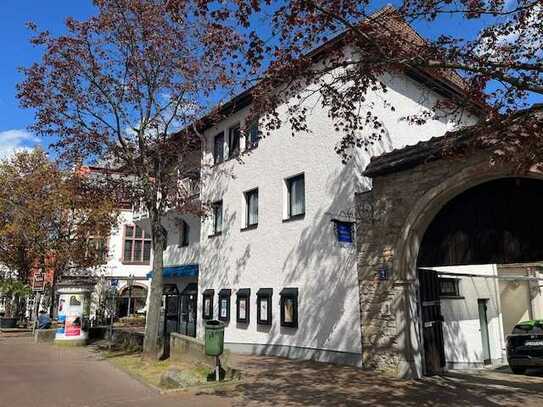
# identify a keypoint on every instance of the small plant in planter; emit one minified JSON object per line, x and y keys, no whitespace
{"x":12,"y":290}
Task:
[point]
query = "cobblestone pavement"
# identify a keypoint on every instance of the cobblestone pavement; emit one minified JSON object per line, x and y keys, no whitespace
{"x":45,"y":376}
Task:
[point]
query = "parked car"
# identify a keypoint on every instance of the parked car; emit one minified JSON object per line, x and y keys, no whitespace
{"x":525,"y":346}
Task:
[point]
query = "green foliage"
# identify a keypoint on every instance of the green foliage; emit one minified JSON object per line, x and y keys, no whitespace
{"x":12,"y":290}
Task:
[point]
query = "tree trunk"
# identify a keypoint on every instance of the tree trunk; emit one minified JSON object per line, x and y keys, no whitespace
{"x":52,"y":305}
{"x":153,"y":323}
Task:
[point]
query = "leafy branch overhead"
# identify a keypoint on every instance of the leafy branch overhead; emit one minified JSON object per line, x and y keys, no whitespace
{"x":340,"y":53}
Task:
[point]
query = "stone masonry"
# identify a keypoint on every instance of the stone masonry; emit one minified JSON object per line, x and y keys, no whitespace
{"x":409,"y":187}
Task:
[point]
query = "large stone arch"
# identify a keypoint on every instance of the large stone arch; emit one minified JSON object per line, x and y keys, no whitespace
{"x":393,"y":219}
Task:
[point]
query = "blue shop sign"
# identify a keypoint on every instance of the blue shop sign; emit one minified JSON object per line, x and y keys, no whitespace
{"x":344,"y":232}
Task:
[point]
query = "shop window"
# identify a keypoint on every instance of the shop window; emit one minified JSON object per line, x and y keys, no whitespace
{"x":289,"y":307}
{"x":207,"y":312}
{"x":449,"y":287}
{"x":243,"y":305}
{"x":264,"y":306}
{"x":224,"y":304}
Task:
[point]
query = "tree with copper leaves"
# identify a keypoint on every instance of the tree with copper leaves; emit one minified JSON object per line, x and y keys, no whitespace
{"x":493,"y":68}
{"x":125,"y":88}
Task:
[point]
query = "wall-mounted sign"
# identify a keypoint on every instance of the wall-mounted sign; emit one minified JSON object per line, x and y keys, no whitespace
{"x":224,"y":304}
{"x":344,"y":231}
{"x":264,"y":306}
{"x":207,"y":300}
{"x":38,"y":283}
{"x":289,"y":307}
{"x":243,"y":305}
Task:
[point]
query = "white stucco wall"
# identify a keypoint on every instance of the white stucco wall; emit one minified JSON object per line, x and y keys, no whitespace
{"x":175,"y":254}
{"x":114,"y":266}
{"x":461,"y":326}
{"x":300,"y":253}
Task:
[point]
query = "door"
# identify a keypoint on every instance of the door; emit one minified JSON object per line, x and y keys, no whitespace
{"x":187,"y":323}
{"x":432,"y":322}
{"x":483,"y":320}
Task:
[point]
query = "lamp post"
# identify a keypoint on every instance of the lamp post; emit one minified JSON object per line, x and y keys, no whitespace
{"x":130,"y":284}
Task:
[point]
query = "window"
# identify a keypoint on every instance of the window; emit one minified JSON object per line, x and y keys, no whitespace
{"x":251,"y":205}
{"x":207,"y":297}
{"x":217,"y":218}
{"x":264,"y":306}
{"x":289,"y":307}
{"x":224,"y":304}
{"x":137,"y":245}
{"x":184,"y":231}
{"x":449,"y":287}
{"x":233,"y":141}
{"x":243,"y":305}
{"x":296,"y":196}
{"x":218,"y":149}
{"x":252,"y":137}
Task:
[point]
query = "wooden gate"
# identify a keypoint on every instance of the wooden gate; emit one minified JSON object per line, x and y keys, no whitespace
{"x":432,"y":322}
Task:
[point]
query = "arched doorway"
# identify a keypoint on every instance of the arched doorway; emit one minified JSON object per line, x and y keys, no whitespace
{"x":492,"y":223}
{"x":131,"y":300}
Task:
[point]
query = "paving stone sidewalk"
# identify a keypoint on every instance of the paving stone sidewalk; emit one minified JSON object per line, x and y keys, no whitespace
{"x":40,"y":375}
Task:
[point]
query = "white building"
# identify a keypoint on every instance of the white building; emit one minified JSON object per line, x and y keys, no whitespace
{"x":269,"y":259}
{"x":480,"y":305}
{"x":128,"y":264}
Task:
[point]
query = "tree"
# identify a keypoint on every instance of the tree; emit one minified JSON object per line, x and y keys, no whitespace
{"x":51,"y":219}
{"x":494,"y":66}
{"x":126,"y":87}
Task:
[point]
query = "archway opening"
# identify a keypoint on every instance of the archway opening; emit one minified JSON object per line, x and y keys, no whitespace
{"x":132,"y":300}
{"x":478,"y":267}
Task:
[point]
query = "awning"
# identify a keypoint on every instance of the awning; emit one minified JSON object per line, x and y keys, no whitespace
{"x":187,"y":270}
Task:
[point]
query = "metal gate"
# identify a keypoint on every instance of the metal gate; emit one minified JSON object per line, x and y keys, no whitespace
{"x":432,"y":322}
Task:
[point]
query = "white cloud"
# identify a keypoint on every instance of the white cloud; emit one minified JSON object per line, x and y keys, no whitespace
{"x":16,"y":140}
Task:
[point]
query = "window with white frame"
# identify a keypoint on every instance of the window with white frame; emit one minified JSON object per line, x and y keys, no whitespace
{"x":217,"y":217}
{"x":184,"y":231}
{"x":251,"y":208}
{"x":137,"y":245}
{"x":234,"y":135}
{"x":295,"y":196}
{"x":218,"y":148}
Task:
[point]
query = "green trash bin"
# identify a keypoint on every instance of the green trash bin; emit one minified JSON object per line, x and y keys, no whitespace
{"x":214,"y":338}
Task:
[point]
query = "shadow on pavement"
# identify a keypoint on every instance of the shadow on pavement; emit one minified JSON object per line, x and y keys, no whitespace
{"x":277,"y":381}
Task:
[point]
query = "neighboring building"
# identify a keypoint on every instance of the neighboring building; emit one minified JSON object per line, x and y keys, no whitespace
{"x":276,"y":258}
{"x":480,"y":305}
{"x":129,"y":259}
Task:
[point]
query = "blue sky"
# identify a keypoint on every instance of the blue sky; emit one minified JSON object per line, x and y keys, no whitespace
{"x":17,"y":51}
{"x":50,"y":14}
